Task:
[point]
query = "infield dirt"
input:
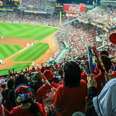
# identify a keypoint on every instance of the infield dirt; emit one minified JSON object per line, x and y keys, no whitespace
{"x":24,"y":43}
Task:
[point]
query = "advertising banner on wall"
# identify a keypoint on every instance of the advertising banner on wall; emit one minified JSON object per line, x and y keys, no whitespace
{"x":74,"y":9}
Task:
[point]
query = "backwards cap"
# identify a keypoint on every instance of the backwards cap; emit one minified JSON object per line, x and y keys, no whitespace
{"x":23,"y":94}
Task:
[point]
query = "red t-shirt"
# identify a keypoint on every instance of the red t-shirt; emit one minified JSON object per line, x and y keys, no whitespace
{"x":84,"y":76}
{"x":45,"y":95}
{"x":70,"y":100}
{"x":43,"y":91}
{"x":17,"y":111}
{"x":100,"y":81}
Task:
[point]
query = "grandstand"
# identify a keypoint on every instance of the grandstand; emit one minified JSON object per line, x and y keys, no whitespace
{"x":47,"y":6}
{"x":37,"y":12}
{"x":56,"y":56}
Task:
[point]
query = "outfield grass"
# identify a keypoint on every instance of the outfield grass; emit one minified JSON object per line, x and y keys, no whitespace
{"x":32,"y":53}
{"x":28,"y":31}
{"x":25,"y":31}
{"x":16,"y":67}
{"x":7,"y":50}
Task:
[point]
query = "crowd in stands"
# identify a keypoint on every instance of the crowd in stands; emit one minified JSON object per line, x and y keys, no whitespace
{"x":105,"y":15}
{"x":79,"y":36}
{"x":61,"y":89}
{"x":67,"y":88}
{"x":35,"y":5}
{"x":33,"y":18}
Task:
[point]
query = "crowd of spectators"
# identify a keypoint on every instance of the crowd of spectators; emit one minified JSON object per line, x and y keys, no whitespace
{"x":79,"y":36}
{"x":66,"y":88}
{"x":105,"y":15}
{"x":36,"y":5}
{"x":33,"y":18}
{"x":60,"y":89}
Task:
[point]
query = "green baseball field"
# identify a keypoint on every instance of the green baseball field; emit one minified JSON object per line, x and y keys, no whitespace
{"x":11,"y":40}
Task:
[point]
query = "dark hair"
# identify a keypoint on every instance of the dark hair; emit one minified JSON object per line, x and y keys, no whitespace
{"x":34,"y":109}
{"x":3,"y":86}
{"x":107,"y":63}
{"x":20,"y":79}
{"x":104,"y":53}
{"x":10,"y":83}
{"x":72,"y":74}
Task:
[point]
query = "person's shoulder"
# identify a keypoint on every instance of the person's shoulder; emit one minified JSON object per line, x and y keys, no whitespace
{"x":41,"y":108}
{"x":41,"y":88}
{"x":40,"y":105}
{"x":110,"y":86}
{"x":83,"y":82}
{"x":111,"y":83}
{"x":99,"y":75}
{"x":55,"y":84}
{"x":59,"y":88}
{"x":15,"y":109}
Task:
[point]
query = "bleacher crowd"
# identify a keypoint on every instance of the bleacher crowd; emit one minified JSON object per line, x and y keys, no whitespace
{"x":67,"y":88}
{"x":60,"y":89}
{"x":33,"y":18}
{"x":100,"y":14}
{"x":79,"y":36}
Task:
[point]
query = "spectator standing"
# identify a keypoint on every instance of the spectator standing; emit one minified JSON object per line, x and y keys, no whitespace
{"x":45,"y":93}
{"x":70,"y":97}
{"x":26,"y":106}
{"x":9,"y":95}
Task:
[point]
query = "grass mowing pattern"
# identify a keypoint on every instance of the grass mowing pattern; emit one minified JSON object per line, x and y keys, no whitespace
{"x":34,"y":32}
{"x":27,"y":31}
{"x":32,"y":53}
{"x":7,"y":50}
{"x":16,"y":67}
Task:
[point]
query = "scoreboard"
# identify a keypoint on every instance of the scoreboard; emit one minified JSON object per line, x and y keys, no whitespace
{"x":74,"y":10}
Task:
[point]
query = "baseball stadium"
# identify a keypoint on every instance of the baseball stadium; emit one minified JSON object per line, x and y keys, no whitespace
{"x":54,"y":54}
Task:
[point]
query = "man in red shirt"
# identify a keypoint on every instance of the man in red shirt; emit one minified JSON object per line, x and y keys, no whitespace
{"x":24,"y":110}
{"x":70,"y":97}
{"x":27,"y":107}
{"x":45,"y":93}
